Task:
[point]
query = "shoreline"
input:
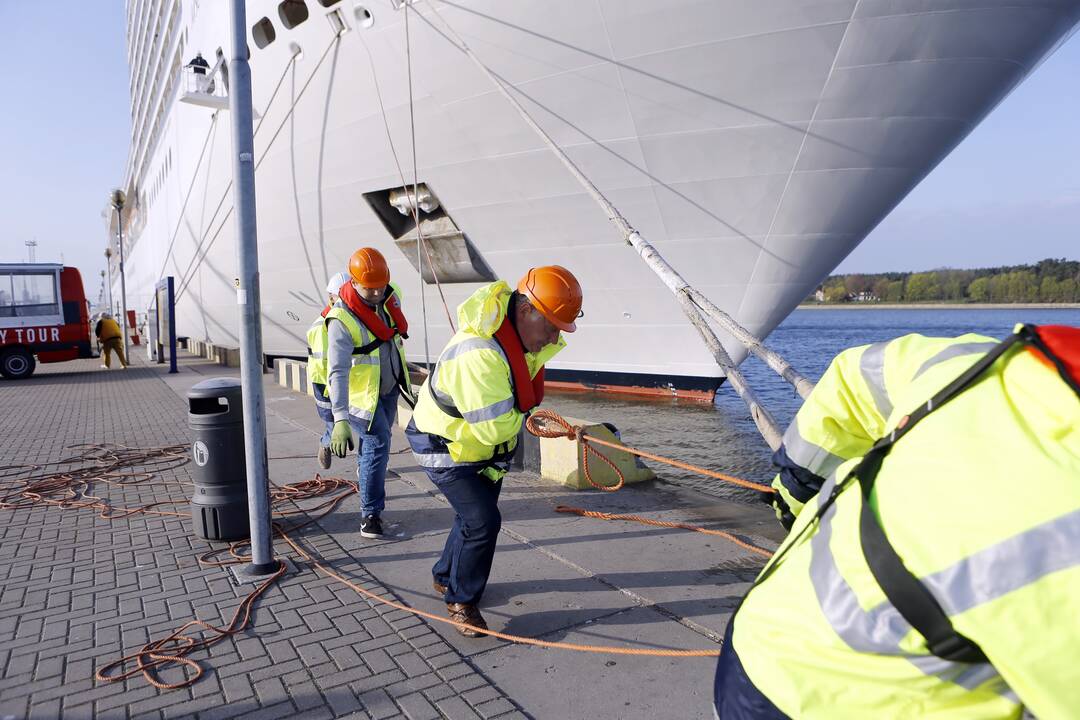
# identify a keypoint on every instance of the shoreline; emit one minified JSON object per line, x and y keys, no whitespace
{"x":941,"y":306}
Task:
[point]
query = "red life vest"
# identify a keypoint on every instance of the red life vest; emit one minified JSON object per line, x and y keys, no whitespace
{"x":371,"y":319}
{"x":1059,"y":347}
{"x":528,"y":391}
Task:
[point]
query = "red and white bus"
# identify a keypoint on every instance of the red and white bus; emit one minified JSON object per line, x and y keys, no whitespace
{"x":43,"y":315}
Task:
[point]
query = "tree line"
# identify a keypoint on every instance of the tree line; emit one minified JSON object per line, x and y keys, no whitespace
{"x":1048,"y":281}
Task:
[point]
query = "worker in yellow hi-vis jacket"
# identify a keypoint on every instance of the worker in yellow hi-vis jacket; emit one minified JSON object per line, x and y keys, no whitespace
{"x":932,"y":487}
{"x":470,"y":412}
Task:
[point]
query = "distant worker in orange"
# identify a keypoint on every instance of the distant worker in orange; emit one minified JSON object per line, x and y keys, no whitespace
{"x":470,"y":411}
{"x":366,"y":371}
{"x":111,"y":337}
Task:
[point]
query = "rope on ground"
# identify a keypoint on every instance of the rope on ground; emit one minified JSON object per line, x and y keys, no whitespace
{"x":662,"y":523}
{"x":113,"y":464}
{"x":538,"y":425}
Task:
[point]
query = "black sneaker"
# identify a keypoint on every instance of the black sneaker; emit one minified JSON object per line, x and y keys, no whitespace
{"x":324,"y":457}
{"x":371,"y":527}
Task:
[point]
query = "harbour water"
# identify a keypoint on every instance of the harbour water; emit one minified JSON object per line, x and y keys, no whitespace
{"x":723,"y":437}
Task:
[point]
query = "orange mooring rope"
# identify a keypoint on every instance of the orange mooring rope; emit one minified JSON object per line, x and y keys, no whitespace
{"x":112,"y":464}
{"x":662,"y":523}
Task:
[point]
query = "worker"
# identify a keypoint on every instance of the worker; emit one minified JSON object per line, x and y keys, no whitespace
{"x":932,"y":487}
{"x":111,"y":337}
{"x":366,"y":372}
{"x":199,"y":68}
{"x":316,"y":366}
{"x":469,"y":414}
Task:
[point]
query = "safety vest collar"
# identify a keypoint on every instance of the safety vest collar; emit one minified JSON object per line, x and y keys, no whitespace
{"x":528,"y":391}
{"x":371,"y":319}
{"x":1059,"y":347}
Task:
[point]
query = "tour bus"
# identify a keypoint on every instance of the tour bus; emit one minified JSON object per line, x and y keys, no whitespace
{"x":44,"y":315}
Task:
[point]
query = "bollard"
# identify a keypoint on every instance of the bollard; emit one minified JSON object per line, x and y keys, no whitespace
{"x":219,"y":505}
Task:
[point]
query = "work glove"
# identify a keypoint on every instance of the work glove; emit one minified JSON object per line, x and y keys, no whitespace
{"x":341,"y":438}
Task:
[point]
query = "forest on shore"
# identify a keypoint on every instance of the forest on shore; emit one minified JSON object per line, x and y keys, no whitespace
{"x":1047,"y":281}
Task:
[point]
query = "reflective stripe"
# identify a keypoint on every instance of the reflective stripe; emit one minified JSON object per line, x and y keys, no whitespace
{"x":441,"y":460}
{"x":872,"y":367}
{"x":323,"y":403}
{"x":360,"y":413}
{"x":490,"y":412}
{"x":364,"y":360}
{"x":1008,"y":565}
{"x":806,"y":454}
{"x":470,"y":344}
{"x":955,"y":351}
{"x":312,"y":353}
{"x":880,"y":629}
{"x":465,"y":346}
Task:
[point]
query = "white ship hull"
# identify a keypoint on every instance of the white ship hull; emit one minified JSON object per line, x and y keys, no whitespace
{"x":755,"y":143}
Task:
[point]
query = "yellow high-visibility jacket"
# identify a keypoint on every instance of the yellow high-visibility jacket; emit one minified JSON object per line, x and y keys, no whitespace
{"x":474,"y":376}
{"x":316,"y":362}
{"x":981,"y":500}
{"x":364,"y":373}
{"x":109,"y":329}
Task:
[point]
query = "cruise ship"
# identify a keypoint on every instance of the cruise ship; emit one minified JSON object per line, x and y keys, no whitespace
{"x":754,"y":143}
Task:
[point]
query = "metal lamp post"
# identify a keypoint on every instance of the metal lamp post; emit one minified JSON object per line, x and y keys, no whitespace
{"x":247,"y":297}
{"x":117,"y":198}
{"x":108,"y":265}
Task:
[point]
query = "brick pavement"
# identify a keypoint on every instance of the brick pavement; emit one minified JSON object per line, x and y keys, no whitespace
{"x":78,"y":591}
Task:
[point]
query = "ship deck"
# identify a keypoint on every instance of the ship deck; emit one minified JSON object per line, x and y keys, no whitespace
{"x":80,"y":591}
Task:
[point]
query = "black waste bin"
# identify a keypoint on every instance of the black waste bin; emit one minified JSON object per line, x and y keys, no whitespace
{"x":219,"y":506}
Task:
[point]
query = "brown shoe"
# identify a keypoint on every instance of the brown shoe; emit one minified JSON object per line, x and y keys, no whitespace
{"x":468,"y":614}
{"x":438,"y":587}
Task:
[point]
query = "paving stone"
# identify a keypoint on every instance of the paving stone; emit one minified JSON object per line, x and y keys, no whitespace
{"x":77,"y":591}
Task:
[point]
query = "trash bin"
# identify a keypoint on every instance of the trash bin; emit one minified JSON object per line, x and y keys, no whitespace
{"x":219,"y":505}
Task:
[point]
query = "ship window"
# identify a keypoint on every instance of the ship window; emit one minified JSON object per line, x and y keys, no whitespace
{"x":292,"y":13}
{"x":263,"y":33}
{"x":329,"y":3}
{"x":453,"y":256}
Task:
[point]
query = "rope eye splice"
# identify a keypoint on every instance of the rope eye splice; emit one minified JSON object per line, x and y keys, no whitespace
{"x":549,"y":424}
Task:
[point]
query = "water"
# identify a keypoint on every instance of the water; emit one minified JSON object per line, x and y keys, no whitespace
{"x":723,"y":437}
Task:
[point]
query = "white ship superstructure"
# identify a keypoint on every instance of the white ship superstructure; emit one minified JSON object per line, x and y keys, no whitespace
{"x":755,"y":143}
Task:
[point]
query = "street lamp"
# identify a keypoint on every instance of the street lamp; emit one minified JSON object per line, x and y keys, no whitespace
{"x":117,"y":199}
{"x":108,"y":265}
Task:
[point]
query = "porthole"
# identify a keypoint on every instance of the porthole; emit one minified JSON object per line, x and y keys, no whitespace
{"x":263,"y":33}
{"x":292,"y":13}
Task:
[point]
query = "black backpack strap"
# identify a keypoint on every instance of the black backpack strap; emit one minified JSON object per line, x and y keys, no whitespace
{"x":367,"y":349}
{"x":906,"y":592}
{"x":445,"y":407}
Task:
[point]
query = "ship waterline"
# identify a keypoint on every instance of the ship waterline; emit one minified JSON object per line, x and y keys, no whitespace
{"x":754,"y":144}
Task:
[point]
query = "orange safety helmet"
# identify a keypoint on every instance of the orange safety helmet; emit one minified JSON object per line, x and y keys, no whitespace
{"x":555,"y":293}
{"x":368,"y":267}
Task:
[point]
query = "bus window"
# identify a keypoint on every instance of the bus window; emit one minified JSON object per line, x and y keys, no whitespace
{"x":34,"y":294}
{"x":6,"y":308}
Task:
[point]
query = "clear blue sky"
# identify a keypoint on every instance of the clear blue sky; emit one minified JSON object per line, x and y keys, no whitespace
{"x":1009,"y":194}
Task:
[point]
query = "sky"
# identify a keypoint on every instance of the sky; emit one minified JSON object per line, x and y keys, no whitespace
{"x":1009,"y":194}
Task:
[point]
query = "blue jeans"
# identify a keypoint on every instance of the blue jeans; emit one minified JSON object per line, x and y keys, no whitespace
{"x":734,"y":695}
{"x":325,"y":439}
{"x":325,"y":414}
{"x":373,"y":453}
{"x":470,"y":547}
